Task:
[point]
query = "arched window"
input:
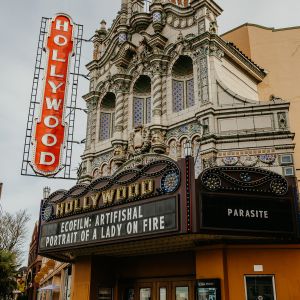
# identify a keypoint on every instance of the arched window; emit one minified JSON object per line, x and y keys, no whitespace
{"x":107,"y":116}
{"x":142,"y":101}
{"x":183,"y":84}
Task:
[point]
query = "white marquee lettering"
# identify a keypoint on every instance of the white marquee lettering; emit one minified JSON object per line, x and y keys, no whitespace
{"x":47,"y":121}
{"x":47,"y":137}
{"x":53,"y":72}
{"x":45,"y":161}
{"x":53,"y":103}
{"x":55,"y":56}
{"x":60,"y":40}
{"x":54,"y":87}
{"x":60,"y":26}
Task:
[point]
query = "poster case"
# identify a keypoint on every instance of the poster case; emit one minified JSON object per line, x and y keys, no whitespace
{"x":208,"y":289}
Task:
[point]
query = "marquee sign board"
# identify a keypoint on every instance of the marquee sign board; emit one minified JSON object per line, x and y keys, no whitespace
{"x":134,"y":203}
{"x":49,"y":133}
{"x":246,"y":200}
{"x":111,"y":224}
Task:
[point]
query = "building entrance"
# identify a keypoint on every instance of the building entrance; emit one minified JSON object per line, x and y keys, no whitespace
{"x":158,"y":289}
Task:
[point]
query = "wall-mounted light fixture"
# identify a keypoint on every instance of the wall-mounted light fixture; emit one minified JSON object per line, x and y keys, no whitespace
{"x":187,"y":149}
{"x":46,"y":192}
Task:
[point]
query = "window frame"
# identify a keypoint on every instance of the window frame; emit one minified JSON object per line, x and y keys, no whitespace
{"x":261,"y":275}
{"x":185,"y":80}
{"x":111,"y":124}
{"x":145,"y":109}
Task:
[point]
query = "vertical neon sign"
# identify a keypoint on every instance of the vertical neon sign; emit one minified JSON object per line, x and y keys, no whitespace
{"x":49,"y":134}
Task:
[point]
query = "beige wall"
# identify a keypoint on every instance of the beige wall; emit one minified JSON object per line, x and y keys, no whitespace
{"x":278,"y":52}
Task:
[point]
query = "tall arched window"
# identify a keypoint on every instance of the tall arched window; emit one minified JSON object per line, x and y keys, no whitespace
{"x":107,"y":116}
{"x":142,"y":101}
{"x":183,"y":84}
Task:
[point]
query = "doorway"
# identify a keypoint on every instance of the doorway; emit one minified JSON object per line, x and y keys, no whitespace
{"x":158,"y":289}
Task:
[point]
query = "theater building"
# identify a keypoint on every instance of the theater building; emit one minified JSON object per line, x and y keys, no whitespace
{"x":182,"y":191}
{"x":275,"y":50}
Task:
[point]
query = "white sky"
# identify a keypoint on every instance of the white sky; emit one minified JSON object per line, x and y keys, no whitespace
{"x":19,"y":29}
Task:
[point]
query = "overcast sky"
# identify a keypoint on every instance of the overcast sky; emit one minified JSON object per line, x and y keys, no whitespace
{"x":19,"y":29}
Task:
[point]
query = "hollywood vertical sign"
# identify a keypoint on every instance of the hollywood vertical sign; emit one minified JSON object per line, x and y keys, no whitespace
{"x":50,"y":128}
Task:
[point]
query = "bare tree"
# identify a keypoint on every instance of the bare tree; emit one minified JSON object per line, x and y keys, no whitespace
{"x":13,"y":231}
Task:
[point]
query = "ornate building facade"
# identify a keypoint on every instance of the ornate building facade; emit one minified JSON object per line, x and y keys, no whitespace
{"x":274,"y":49}
{"x":161,"y":76}
{"x":183,"y":190}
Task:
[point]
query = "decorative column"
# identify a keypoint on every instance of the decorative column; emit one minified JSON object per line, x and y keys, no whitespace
{"x":157,"y":94}
{"x":202,"y":62}
{"x":119,"y":113}
{"x":122,"y":83}
{"x":91,"y":103}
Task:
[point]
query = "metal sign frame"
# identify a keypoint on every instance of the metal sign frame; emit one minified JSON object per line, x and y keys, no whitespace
{"x":35,"y":104}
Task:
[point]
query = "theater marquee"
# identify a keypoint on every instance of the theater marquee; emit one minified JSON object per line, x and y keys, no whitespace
{"x":112,"y":224}
{"x":133,"y":204}
{"x":246,"y":200}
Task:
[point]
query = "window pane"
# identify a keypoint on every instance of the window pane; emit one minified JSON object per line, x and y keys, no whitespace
{"x":148,"y":106}
{"x":145,"y":294}
{"x":104,"y":126}
{"x":260,"y":287}
{"x":129,"y":294}
{"x":138,"y":111}
{"x":162,"y":294}
{"x":178,"y":95}
{"x":190,"y":93}
{"x":182,"y":293}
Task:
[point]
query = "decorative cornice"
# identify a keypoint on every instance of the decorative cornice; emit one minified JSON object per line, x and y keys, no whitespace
{"x":205,"y":39}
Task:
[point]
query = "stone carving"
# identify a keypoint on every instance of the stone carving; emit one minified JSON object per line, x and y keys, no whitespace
{"x":282,"y":121}
{"x":230,"y":160}
{"x":187,"y":129}
{"x":249,"y":161}
{"x":142,"y":160}
{"x":158,"y":141}
{"x":214,"y":50}
{"x":209,"y":161}
{"x":102,"y":158}
{"x":275,"y":98}
{"x":201,"y":27}
{"x":139,"y":141}
{"x":201,"y":57}
{"x":180,"y":22}
{"x":213,"y":27}
{"x":119,"y":154}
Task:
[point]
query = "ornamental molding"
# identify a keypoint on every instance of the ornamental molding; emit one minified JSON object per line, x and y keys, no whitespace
{"x":206,"y":39}
{"x":142,"y":160}
{"x":243,"y":179}
{"x":180,"y":22}
{"x":102,"y":158}
{"x":187,"y":130}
